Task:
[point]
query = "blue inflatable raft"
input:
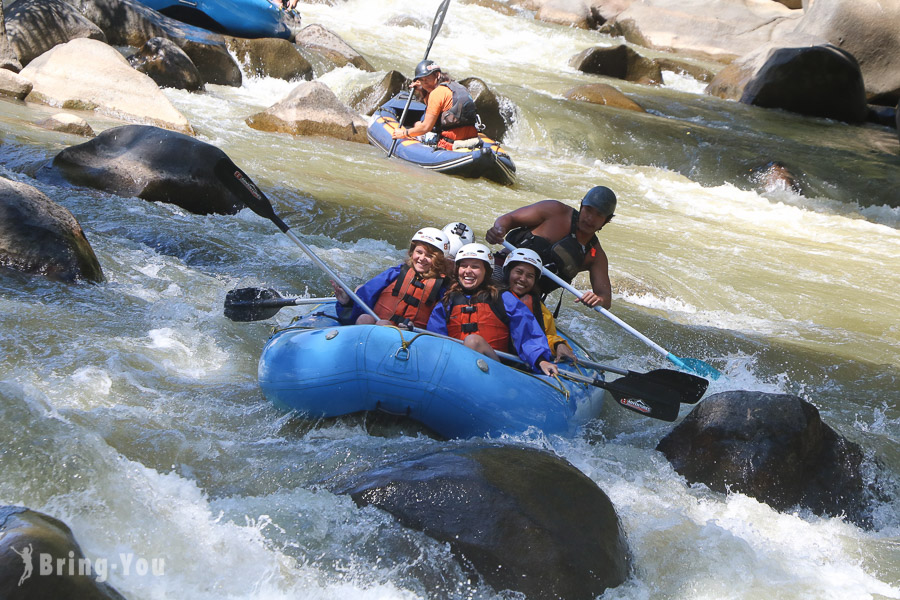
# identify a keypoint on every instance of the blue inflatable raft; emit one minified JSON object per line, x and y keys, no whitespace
{"x":331,"y":370}
{"x":484,"y":159}
{"x":239,"y":18}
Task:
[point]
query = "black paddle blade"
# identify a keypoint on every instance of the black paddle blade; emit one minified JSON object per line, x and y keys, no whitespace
{"x":243,"y":187}
{"x":690,"y":388}
{"x":254,"y":304}
{"x":645,"y":396}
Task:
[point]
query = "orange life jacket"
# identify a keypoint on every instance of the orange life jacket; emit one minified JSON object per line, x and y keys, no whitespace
{"x":534,"y":305}
{"x":487,"y":319}
{"x":411,"y":298}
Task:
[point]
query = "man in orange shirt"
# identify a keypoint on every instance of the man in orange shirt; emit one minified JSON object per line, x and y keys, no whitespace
{"x":449,"y":109}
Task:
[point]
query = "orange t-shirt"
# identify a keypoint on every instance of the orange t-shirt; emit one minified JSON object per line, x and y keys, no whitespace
{"x":439,"y":100}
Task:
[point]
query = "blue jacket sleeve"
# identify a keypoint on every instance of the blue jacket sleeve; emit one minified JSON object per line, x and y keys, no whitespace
{"x":368,"y":293}
{"x":437,"y":322}
{"x":527,"y":336}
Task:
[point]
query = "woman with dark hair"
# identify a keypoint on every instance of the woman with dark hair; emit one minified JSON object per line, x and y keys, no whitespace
{"x":487,"y":319}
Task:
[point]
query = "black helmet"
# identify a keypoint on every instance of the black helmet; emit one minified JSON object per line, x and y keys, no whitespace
{"x":602,"y":199}
{"x":425,"y":68}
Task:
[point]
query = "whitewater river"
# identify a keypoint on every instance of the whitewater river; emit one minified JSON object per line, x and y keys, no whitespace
{"x":130,"y":409}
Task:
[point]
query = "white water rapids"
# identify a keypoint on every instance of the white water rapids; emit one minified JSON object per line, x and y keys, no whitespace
{"x":130,"y":409}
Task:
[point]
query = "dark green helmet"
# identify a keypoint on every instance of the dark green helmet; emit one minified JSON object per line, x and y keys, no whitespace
{"x":602,"y":199}
{"x":425,"y":68}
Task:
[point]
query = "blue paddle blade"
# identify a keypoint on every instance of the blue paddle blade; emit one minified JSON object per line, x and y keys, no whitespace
{"x":695,"y":365}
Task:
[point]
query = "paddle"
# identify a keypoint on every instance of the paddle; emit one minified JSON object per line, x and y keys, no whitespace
{"x":258,"y":304}
{"x":435,"y":28}
{"x":690,"y":387}
{"x":652,"y":396}
{"x":688,"y":364}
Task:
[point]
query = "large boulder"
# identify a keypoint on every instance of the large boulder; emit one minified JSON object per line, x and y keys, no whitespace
{"x":867,"y":29}
{"x":495,"y":112}
{"x":8,"y":59}
{"x":772,"y":447}
{"x":620,"y":62}
{"x":41,"y":237}
{"x":130,"y":23}
{"x":89,"y":75}
{"x":13,"y":85}
{"x":35,"y":26}
{"x":167,"y":65}
{"x":818,"y":80}
{"x":569,"y":13}
{"x":369,"y":99}
{"x":312,"y":108}
{"x":606,"y":95}
{"x":153,"y":164}
{"x":271,"y":57}
{"x":30,"y":543}
{"x":721,"y":30}
{"x":525,"y":519}
{"x":329,"y":44}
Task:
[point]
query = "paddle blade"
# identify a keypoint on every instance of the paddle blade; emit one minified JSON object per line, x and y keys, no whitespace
{"x":695,"y":365}
{"x":243,"y":187}
{"x":254,"y":304}
{"x":688,"y":388}
{"x":645,"y":396}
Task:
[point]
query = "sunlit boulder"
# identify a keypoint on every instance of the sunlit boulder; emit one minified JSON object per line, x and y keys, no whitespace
{"x":153,"y":164}
{"x":620,"y":62}
{"x":807,"y":77}
{"x":601,"y":93}
{"x":312,"y":108}
{"x":370,"y":98}
{"x":67,"y":123}
{"x":270,"y":57}
{"x":772,"y":447}
{"x":524,"y":519}
{"x":570,"y":13}
{"x":41,"y":237}
{"x":326,"y":42}
{"x":89,"y":75}
{"x":30,"y":542}
{"x":13,"y":85}
{"x":167,"y":64}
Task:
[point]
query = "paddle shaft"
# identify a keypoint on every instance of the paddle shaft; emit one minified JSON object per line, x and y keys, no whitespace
{"x":567,"y":286}
{"x":435,"y":28}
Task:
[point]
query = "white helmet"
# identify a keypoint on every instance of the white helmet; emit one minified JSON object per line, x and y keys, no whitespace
{"x":433,"y":237}
{"x":524,"y":255}
{"x":479,"y":251}
{"x":459,"y":234}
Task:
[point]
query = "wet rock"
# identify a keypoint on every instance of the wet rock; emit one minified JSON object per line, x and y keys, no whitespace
{"x":406,"y":21}
{"x":8,"y":59}
{"x":524,"y":519}
{"x":371,"y":98}
{"x":13,"y":85}
{"x":67,"y":123}
{"x":495,"y":112}
{"x":41,"y":237}
{"x":698,"y":72}
{"x":153,"y":164}
{"x":867,"y":29}
{"x":28,"y":537}
{"x":620,"y":62}
{"x":312,"y":109}
{"x":328,"y":43}
{"x":167,"y":64}
{"x":772,"y":447}
{"x":271,"y":57}
{"x":775,"y":176}
{"x":130,"y":23}
{"x":600,"y":93}
{"x":792,"y":4}
{"x":89,"y":75}
{"x":35,"y":26}
{"x":818,"y":80}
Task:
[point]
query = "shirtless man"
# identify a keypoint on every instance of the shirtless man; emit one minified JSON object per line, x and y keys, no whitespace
{"x":565,"y":239}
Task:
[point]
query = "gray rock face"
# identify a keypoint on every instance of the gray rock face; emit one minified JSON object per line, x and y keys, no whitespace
{"x":525,"y":519}
{"x":13,"y":85}
{"x":41,"y":237}
{"x":372,"y":97}
{"x":167,"y":64}
{"x":8,"y":59}
{"x":329,"y":44}
{"x":27,"y":533}
{"x":772,"y":447}
{"x":620,"y":62}
{"x":495,"y":117}
{"x":35,"y":26}
{"x":271,"y":57}
{"x":67,"y":123}
{"x":150,"y":163}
